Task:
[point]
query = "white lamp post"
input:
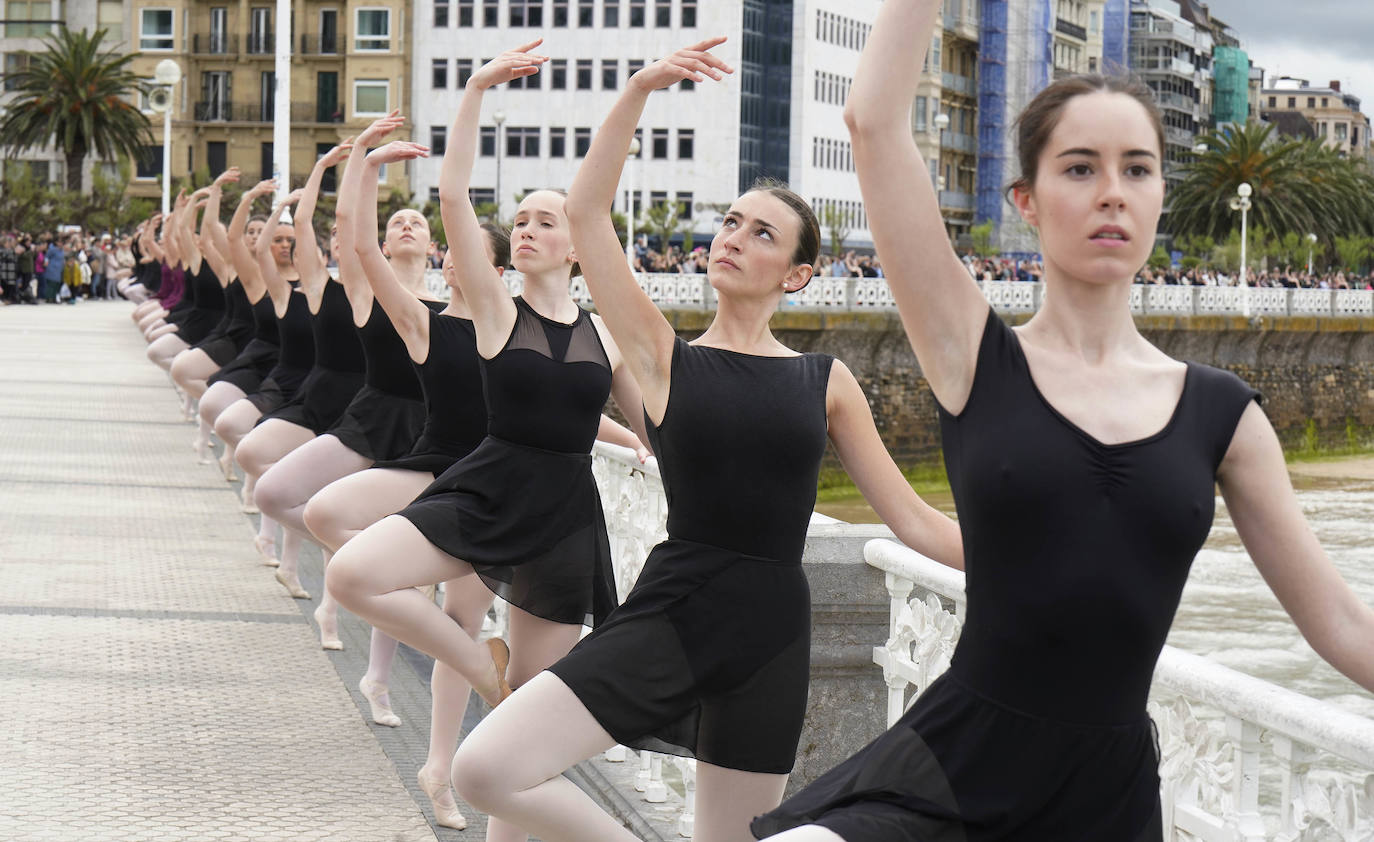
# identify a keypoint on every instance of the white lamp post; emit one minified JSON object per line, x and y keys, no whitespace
{"x":1241,"y":202}
{"x":941,"y":123}
{"x":1311,"y":243}
{"x":281,"y":103}
{"x":167,"y":74}
{"x":499,"y":118}
{"x":632,"y":158}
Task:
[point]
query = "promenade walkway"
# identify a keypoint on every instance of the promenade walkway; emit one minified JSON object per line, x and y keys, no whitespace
{"x":156,"y":682}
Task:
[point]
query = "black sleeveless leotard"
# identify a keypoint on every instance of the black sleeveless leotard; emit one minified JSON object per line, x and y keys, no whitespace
{"x":235,"y":330}
{"x":522,"y":508}
{"x":207,"y":305}
{"x":295,"y":358}
{"x":709,"y":656}
{"x":259,"y":356}
{"x":386,"y":415}
{"x":1076,"y":554}
{"x":455,"y":409}
{"x":339,"y":365}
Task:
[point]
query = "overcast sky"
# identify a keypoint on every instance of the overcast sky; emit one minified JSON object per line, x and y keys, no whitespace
{"x":1318,"y":40}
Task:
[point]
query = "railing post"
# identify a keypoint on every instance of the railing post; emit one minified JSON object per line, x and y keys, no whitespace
{"x":686,"y":825}
{"x":1293,"y":762}
{"x":656,"y":792}
{"x":899,"y":593}
{"x":1245,"y":785}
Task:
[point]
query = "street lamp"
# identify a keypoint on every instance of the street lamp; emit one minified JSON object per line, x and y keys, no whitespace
{"x":167,"y":74}
{"x":499,"y":118}
{"x":630,"y":157}
{"x":1241,"y":202}
{"x":1311,"y":243}
{"x":941,"y":123}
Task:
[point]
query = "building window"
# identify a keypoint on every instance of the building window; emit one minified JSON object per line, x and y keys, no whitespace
{"x":1311,"y":102}
{"x":465,"y":12}
{"x":14,"y":63}
{"x":1341,"y":130}
{"x":586,"y":13}
{"x":155,"y":32}
{"x":637,"y":12}
{"x":685,"y":202}
{"x":1273,"y":102}
{"x":481,"y":196}
{"x":610,"y":14}
{"x":1323,"y":102}
{"x":440,"y":13}
{"x":462,"y":70}
{"x":658,"y":197}
{"x":1292,"y":102}
{"x":558,"y":143}
{"x":371,"y":98}
{"x":663,"y":13}
{"x":689,"y":12}
{"x":487,"y":141}
{"x":531,"y":82}
{"x":558,"y":74}
{"x":686,"y":144}
{"x":560,"y":12}
{"x":584,"y":74}
{"x":110,"y":17}
{"x":438,"y":139}
{"x":148,"y":165}
{"x":582,"y":141}
{"x":434,"y":194}
{"x":633,"y":66}
{"x":659,"y":147}
{"x":919,"y":115}
{"x":439,"y":74}
{"x":526,"y":12}
{"x":522,"y":141}
{"x":491,"y":12}
{"x":372,"y":30}
{"x":609,"y":71}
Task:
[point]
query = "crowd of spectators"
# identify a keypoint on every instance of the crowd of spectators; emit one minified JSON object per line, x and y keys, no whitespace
{"x":1284,"y":277}
{"x":58,"y":267}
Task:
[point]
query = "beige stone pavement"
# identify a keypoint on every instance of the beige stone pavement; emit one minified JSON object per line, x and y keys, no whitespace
{"x":157,"y":684}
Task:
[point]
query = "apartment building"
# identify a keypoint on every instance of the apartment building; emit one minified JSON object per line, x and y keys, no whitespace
{"x":348,"y":66}
{"x":1333,"y":114}
{"x":1174,"y":57}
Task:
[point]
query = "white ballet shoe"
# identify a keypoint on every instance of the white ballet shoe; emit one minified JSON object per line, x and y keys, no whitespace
{"x":292,"y":585}
{"x":446,"y":812}
{"x":376,"y":694}
{"x":250,"y":506}
{"x":329,"y":635}
{"x":204,"y":456}
{"x":267,"y":550}
{"x":226,"y":466}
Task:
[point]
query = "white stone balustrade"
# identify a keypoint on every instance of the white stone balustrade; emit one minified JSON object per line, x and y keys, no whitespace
{"x":1242,"y":760}
{"x":691,"y":292}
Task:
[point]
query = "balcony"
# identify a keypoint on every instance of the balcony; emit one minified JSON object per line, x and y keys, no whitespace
{"x":322,"y":45}
{"x":261,"y":44}
{"x":214,"y":111}
{"x":959,"y":142}
{"x":315,"y":112}
{"x":1179,"y":137}
{"x":214,"y":44}
{"x":1178,"y":102}
{"x":954,"y":200}
{"x":1070,"y":29}
{"x":963,"y":85}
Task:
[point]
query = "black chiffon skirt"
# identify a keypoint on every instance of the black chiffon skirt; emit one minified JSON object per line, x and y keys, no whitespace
{"x":708,"y":657}
{"x":960,"y":767}
{"x":322,"y":399}
{"x":250,"y":367}
{"x":529,"y":522}
{"x":380,"y":425}
{"x":278,"y":388}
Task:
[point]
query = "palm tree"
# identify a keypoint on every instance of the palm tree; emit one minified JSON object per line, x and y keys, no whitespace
{"x":76,"y":97}
{"x":1299,"y":186}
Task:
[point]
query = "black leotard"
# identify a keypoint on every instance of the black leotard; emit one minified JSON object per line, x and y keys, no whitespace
{"x":455,"y":409}
{"x":259,"y":356}
{"x":207,"y":305}
{"x":522,"y":508}
{"x":1076,"y":553}
{"x":717,"y":627}
{"x":295,"y":359}
{"x":338,"y":372}
{"x":386,"y":415}
{"x":235,"y":330}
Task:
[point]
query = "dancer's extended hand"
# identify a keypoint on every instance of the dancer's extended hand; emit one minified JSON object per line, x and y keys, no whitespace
{"x":336,"y":155}
{"x":380,"y":128}
{"x":293,"y":197}
{"x":262,"y":188}
{"x":512,"y":64}
{"x":230,"y":175}
{"x":694,"y":62}
{"x":397,"y":150}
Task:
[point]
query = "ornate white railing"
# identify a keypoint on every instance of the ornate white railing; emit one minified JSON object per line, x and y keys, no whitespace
{"x":1242,"y":760}
{"x":692,"y":292}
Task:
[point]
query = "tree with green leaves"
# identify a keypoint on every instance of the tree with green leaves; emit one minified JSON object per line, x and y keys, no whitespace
{"x":78,"y":98}
{"x":836,"y":223}
{"x":1354,"y":252}
{"x":1299,"y":186}
{"x":983,"y":240}
{"x":1160,"y":259}
{"x":664,"y":220}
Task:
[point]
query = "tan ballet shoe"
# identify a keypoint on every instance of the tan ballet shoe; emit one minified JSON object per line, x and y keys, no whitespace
{"x":376,"y":694}
{"x":446,"y":812}
{"x":292,"y":585}
{"x":267,"y":550}
{"x":329,"y":638}
{"x":500,"y":658}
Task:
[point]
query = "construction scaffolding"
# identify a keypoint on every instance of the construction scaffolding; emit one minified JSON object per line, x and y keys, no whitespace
{"x":1116,"y":36}
{"x":1231,"y":70}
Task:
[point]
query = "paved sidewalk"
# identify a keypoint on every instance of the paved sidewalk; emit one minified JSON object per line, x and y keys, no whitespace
{"x":158,"y":683}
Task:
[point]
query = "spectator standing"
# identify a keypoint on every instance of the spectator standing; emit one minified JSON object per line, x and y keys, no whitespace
{"x":54,"y":261}
{"x":24,"y":256}
{"x":9,"y":271}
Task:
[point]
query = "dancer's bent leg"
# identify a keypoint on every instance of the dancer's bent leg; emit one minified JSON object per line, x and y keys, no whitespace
{"x":287,"y":486}
{"x":190,"y":369}
{"x":728,"y":799}
{"x":217,"y":398}
{"x":165,"y":348}
{"x":511,"y":765}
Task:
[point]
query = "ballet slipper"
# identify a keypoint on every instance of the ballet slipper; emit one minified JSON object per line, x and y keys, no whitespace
{"x":446,"y":812}
{"x":267,"y":550}
{"x":226,"y":465}
{"x":500,"y":660}
{"x":292,"y":585}
{"x":250,"y":506}
{"x":376,"y":694}
{"x":202,"y":448}
{"x":329,"y":638}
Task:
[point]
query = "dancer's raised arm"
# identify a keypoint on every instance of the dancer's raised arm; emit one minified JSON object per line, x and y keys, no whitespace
{"x":941,"y":308}
{"x":644,"y":336}
{"x":277,"y":286}
{"x":493,"y":312}
{"x":148,"y":245}
{"x":346,"y":210}
{"x":408,"y":315}
{"x":308,"y":260}
{"x":215,"y":251}
{"x":186,"y":239}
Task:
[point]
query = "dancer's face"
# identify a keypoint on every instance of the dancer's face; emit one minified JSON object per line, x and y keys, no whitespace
{"x":334,"y":243}
{"x":752,"y":251}
{"x":251,"y":232}
{"x":1099,"y":190}
{"x":283,"y":240}
{"x":540,"y":240}
{"x":407,"y":234}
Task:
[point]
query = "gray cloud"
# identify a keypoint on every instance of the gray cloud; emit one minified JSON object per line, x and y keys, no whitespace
{"x":1341,"y":27}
